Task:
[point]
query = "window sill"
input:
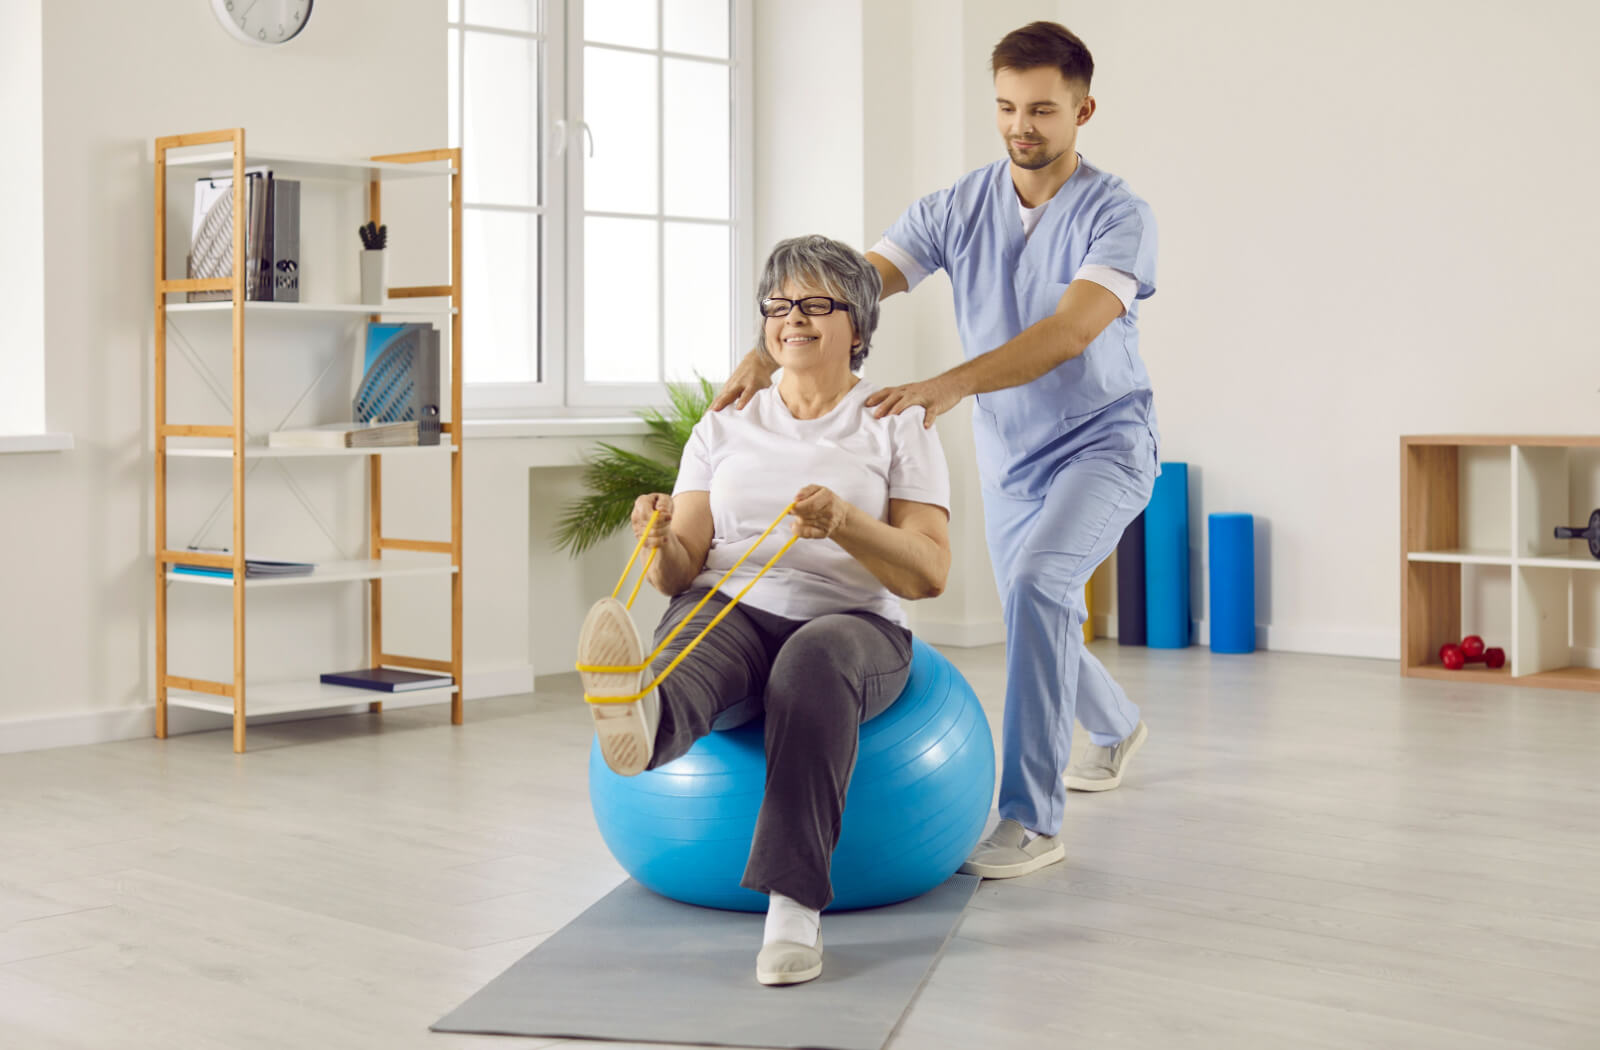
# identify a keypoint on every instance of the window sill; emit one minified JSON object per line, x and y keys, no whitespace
{"x":35,"y":442}
{"x":597,"y":426}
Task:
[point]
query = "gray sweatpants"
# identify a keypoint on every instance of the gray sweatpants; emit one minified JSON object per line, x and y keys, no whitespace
{"x":817,"y":681}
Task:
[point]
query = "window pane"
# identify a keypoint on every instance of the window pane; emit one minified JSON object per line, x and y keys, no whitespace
{"x":696,"y":139}
{"x":453,"y":11}
{"x":504,"y":14}
{"x":502,"y":120}
{"x":621,"y":308}
{"x":631,"y":23}
{"x":696,"y":313}
{"x":619,"y":102}
{"x":453,"y":73}
{"x":500,"y":254}
{"x":696,"y":27}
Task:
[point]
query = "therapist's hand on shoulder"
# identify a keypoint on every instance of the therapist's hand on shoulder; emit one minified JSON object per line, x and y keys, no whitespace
{"x":819,"y":512}
{"x":936,"y":396}
{"x":749,"y":378}
{"x":643,"y":507}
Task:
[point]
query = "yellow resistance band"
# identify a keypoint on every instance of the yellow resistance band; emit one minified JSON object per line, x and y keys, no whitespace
{"x":684,"y":622}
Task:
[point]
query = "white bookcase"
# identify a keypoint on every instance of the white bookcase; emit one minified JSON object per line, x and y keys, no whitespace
{"x":1478,"y":518}
{"x":245,"y":693}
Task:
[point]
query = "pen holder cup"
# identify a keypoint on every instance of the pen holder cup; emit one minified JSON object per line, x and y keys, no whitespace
{"x":374,"y":276}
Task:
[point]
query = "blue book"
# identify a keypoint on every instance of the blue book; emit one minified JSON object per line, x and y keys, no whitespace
{"x":386,"y":679}
{"x":203,"y":570}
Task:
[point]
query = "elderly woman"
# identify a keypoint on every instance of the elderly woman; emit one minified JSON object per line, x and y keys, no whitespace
{"x":820,"y":640}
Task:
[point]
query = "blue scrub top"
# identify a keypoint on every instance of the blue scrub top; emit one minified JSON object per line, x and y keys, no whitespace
{"x":1098,"y":403}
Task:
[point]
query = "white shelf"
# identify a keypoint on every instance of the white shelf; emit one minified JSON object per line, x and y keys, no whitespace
{"x":1478,"y":557}
{"x":267,"y":452}
{"x":224,"y":307}
{"x":292,"y":166}
{"x":325,"y":572}
{"x":1462,"y":557}
{"x":274,"y":698}
{"x":1549,"y":562}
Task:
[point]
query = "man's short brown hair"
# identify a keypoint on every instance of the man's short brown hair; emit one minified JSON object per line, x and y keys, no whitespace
{"x":1044,"y":44}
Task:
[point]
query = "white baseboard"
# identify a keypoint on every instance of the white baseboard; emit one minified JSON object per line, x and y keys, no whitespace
{"x":1324,"y":641}
{"x":960,"y":635}
{"x":1321,"y":641}
{"x":130,"y":723}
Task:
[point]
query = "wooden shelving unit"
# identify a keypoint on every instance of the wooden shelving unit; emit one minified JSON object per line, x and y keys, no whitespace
{"x":1444,"y":533}
{"x":191,"y":441}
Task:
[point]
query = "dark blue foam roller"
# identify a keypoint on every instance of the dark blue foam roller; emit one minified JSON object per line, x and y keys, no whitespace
{"x":1130,"y":585}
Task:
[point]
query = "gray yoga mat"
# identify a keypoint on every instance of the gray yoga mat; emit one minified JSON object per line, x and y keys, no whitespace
{"x":637,"y":967}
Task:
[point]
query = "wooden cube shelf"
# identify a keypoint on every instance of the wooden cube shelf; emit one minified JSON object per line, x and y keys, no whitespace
{"x":1473,"y":503}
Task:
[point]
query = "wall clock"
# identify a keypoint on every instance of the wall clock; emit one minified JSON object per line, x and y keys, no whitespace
{"x":262,"y":22}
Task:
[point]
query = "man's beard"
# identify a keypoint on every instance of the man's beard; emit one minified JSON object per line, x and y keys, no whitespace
{"x":1033,"y":161}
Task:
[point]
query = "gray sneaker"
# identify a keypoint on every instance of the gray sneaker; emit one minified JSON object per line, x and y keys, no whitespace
{"x":1101,"y":768}
{"x":1008,"y":852}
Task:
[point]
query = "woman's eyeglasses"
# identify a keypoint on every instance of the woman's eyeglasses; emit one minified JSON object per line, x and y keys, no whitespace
{"x":811,"y":306}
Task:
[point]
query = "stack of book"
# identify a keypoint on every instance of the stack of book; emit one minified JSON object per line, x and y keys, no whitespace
{"x":346,"y":435}
{"x":253,"y":567}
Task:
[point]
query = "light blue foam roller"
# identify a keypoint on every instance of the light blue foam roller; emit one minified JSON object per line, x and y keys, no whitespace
{"x":917,"y":803}
{"x":1166,"y":560}
{"x":1232,"y":545}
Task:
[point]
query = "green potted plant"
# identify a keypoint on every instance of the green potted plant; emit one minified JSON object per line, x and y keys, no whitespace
{"x":616,"y":477}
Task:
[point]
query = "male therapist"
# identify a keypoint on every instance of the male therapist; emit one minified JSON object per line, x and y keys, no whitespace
{"x":1048,"y":257}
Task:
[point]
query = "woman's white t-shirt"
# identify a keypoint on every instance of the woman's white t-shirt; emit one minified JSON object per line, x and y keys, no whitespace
{"x":753,"y":461}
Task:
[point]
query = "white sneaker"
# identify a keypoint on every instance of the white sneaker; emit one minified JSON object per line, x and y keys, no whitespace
{"x":785,"y":962}
{"x":626,"y":730}
{"x":1101,"y":768}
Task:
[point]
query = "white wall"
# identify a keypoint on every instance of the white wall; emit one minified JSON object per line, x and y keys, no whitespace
{"x":1376,"y":219}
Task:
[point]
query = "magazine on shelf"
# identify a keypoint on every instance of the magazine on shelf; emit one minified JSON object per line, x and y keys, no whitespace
{"x":399,"y":378}
{"x":346,"y":435}
{"x":252,"y":566}
{"x":387,"y":679}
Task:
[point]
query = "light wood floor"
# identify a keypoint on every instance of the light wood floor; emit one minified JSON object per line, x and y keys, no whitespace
{"x":1311,"y":852}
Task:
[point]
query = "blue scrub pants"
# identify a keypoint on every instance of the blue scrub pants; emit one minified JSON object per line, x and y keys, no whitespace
{"x":1044,"y":551}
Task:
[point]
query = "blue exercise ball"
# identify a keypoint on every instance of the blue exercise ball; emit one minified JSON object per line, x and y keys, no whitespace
{"x":917,"y":804}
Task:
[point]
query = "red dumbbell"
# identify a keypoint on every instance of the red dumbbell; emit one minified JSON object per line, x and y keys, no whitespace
{"x":1471,"y":651}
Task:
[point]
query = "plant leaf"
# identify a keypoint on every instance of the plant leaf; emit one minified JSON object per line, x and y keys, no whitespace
{"x":616,"y":477}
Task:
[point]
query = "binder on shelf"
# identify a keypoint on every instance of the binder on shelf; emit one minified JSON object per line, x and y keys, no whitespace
{"x":272,"y":236}
{"x":283,"y":240}
{"x":211,"y":234}
{"x":387,"y":679}
{"x":399,"y":380}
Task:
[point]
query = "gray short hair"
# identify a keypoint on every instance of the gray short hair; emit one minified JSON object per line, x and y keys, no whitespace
{"x":839,"y":269}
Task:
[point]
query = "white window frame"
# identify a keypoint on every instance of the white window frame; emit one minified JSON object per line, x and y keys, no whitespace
{"x":22,"y":355}
{"x":560,"y":390}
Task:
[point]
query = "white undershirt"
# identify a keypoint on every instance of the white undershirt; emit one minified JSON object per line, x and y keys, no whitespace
{"x":1119,"y":283}
{"x":753,"y":460}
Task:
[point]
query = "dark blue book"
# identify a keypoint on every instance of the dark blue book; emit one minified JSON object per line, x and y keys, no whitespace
{"x":386,"y":679}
